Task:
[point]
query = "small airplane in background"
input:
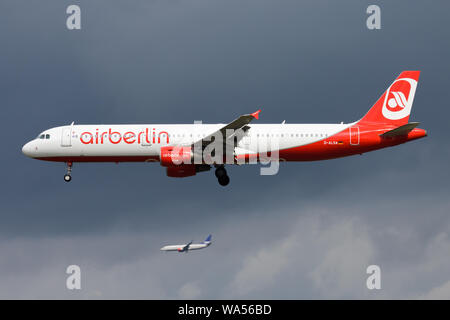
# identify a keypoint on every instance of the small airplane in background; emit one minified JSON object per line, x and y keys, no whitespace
{"x":185,"y":149}
{"x":189,"y":246}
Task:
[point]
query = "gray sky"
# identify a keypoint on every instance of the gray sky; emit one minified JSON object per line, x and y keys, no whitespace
{"x":308,"y":232}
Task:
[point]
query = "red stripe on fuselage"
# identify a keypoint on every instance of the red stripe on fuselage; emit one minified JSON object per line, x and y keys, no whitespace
{"x":339,"y":145}
{"x":102,"y":158}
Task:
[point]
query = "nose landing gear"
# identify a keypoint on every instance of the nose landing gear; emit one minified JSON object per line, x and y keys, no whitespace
{"x":222,"y":176}
{"x":67,"y":176}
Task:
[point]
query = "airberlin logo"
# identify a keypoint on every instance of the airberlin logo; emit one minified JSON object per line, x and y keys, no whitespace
{"x":399,"y":98}
{"x":129,"y":137}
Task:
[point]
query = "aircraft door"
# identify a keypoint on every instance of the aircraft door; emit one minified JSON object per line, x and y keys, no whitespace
{"x":354,"y":136}
{"x":66,"y":137}
{"x":246,"y":140}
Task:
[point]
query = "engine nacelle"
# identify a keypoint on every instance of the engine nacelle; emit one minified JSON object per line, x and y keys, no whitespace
{"x":176,"y":156}
{"x":181,"y":171}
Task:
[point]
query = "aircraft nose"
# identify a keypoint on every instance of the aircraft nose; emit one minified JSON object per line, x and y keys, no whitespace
{"x":27,"y":149}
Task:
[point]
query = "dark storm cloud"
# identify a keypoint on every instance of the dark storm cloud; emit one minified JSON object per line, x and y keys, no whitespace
{"x":180,"y":61}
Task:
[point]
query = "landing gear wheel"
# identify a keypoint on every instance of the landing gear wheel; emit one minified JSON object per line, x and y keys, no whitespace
{"x":220,"y":172}
{"x":224,"y":180}
{"x":67,"y":176}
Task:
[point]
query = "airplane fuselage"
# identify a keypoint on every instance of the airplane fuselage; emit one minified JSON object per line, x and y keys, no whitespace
{"x":142,"y":143}
{"x":182,"y":247}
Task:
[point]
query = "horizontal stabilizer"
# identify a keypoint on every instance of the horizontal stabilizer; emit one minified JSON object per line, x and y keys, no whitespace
{"x":400,"y":131}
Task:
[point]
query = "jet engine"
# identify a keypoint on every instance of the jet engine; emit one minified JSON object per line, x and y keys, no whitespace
{"x":182,"y":171}
{"x":176,"y":156}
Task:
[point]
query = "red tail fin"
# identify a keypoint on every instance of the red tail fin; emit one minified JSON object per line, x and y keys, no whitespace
{"x":394,"y":106}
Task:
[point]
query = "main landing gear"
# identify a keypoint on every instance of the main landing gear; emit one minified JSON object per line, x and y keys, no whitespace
{"x":67,"y":176}
{"x":222,"y":176}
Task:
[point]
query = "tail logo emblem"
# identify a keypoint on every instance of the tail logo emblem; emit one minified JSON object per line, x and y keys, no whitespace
{"x":399,"y":98}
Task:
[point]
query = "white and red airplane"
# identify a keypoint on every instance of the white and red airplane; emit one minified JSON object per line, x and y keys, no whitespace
{"x":185,"y":149}
{"x":189,"y":246}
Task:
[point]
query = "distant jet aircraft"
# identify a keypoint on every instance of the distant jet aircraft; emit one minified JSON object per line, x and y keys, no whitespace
{"x":189,"y":246}
{"x":185,"y":149}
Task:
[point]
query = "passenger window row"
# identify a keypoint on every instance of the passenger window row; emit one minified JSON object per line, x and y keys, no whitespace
{"x":297,"y":135}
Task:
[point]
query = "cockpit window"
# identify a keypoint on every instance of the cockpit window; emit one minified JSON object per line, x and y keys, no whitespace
{"x":47,"y":136}
{"x":42,"y":136}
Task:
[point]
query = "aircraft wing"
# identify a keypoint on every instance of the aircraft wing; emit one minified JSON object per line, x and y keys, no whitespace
{"x":186,"y":247}
{"x":400,"y":131}
{"x":236,"y":124}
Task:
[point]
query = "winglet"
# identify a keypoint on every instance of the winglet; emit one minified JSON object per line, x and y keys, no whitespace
{"x":256,"y":114}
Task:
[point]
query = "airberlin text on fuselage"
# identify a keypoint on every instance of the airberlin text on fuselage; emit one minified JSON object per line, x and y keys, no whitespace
{"x":128,"y":137}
